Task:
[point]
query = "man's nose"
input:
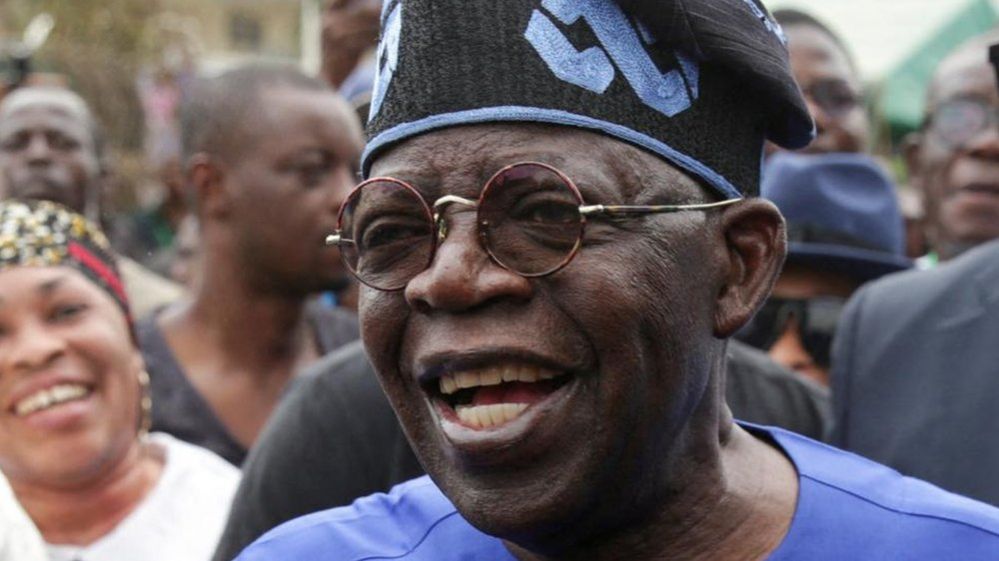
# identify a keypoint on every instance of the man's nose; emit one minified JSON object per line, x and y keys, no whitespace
{"x":462,"y":276}
{"x":38,"y":151}
{"x":985,"y":144}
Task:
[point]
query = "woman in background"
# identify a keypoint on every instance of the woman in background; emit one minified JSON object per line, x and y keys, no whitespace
{"x":74,"y":403}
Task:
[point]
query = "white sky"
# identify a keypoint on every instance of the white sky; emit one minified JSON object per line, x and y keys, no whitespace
{"x":881,"y":33}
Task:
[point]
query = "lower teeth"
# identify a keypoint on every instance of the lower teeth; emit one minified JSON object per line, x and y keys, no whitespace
{"x":484,"y":416}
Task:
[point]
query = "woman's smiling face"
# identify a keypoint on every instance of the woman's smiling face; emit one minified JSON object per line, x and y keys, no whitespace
{"x":69,"y":391}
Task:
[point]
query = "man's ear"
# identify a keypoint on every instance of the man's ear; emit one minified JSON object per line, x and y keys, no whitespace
{"x":206,"y":177}
{"x":756,"y":244}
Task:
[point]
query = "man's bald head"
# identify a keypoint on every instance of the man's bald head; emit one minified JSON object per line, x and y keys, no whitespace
{"x":51,"y":149}
{"x":59,"y":98}
{"x":223,"y":113}
{"x":970,"y":56}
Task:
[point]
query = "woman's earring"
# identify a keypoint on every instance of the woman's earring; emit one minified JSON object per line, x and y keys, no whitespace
{"x":145,"y":404}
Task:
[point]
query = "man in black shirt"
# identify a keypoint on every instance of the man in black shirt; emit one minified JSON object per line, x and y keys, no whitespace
{"x":270,"y":154}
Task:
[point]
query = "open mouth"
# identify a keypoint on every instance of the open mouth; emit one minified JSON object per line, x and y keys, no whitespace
{"x":492,"y":396}
{"x":51,"y":397}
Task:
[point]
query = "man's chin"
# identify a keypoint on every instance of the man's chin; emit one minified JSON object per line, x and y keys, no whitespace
{"x":40,"y":189}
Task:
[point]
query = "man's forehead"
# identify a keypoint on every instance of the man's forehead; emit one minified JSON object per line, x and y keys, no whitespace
{"x":478,"y":151}
{"x":964,"y":73}
{"x":301,"y":116}
{"x":972,"y":79}
{"x":63,"y":104}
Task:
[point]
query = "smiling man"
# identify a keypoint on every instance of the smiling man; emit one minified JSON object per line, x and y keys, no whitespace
{"x":558,"y":236}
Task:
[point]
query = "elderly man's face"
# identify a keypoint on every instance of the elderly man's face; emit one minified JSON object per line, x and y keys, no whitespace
{"x":47,"y":151}
{"x":625,"y":330}
{"x":956,"y":162}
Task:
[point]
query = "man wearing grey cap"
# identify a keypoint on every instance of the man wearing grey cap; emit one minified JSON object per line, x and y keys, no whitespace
{"x":557,"y":236}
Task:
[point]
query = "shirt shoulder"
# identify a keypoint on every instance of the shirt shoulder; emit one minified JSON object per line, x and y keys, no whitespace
{"x":414,"y":521}
{"x":182,"y":517}
{"x":334,"y":326}
{"x":196,"y":465}
{"x":852,"y":508}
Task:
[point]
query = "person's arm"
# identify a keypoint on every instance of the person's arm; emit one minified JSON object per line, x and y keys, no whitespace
{"x":332,"y":439}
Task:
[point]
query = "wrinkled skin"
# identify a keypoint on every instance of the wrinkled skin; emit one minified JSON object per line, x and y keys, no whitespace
{"x":47,"y":150}
{"x":637,"y":317}
{"x":817,"y":59}
{"x":960,"y":186}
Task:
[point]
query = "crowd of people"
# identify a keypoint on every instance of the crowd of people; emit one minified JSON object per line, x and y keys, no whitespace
{"x":554,"y":280}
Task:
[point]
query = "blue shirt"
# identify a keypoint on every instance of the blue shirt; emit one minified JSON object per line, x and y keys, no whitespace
{"x":848,"y":508}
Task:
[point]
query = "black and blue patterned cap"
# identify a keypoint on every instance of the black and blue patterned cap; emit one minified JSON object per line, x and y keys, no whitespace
{"x":44,"y":234}
{"x":701,"y":83}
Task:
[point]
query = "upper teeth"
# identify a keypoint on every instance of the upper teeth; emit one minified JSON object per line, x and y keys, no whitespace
{"x":48,"y":397}
{"x":493,"y":376}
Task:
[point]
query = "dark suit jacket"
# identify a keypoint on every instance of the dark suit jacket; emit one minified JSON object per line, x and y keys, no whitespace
{"x":916,"y":374}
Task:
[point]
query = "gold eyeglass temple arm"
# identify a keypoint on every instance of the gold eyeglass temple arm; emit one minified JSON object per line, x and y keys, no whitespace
{"x":337,"y":238}
{"x":587,"y":210}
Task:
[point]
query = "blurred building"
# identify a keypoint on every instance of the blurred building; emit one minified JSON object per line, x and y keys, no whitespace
{"x":225,"y":33}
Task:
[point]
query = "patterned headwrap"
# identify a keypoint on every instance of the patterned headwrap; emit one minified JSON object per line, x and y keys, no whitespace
{"x":43,"y":233}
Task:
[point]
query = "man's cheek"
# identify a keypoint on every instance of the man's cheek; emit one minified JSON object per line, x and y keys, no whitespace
{"x":383,"y":316}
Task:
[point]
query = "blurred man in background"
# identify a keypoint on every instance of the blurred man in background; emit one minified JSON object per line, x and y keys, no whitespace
{"x":51,"y":149}
{"x":844,"y":228}
{"x":954,"y":160}
{"x":270,"y":154}
{"x":825,"y":70}
{"x":349,"y":37}
{"x":914,"y":361}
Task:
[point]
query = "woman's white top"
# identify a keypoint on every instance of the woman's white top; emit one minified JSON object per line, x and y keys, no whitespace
{"x":19,"y":539}
{"x":180,"y":520}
